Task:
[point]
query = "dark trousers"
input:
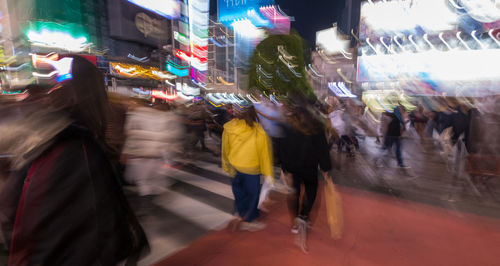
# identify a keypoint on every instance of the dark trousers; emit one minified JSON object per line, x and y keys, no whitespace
{"x":310,"y":181}
{"x":389,"y":141}
{"x":246,"y":190}
{"x":345,"y":141}
{"x":276,"y":148}
{"x":197,"y":134}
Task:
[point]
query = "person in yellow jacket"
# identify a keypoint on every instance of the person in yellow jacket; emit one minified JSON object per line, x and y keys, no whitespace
{"x":246,"y":155}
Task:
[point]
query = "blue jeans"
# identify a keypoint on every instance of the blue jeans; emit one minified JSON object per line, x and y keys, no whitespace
{"x":246,"y":190}
{"x":389,"y":141}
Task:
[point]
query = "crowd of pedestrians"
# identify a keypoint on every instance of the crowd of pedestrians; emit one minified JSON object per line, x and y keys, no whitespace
{"x":74,"y":149}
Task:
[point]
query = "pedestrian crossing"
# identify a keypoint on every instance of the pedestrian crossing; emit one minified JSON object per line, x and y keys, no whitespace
{"x":199,"y":199}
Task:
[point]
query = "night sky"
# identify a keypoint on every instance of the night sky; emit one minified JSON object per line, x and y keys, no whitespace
{"x":312,"y":15}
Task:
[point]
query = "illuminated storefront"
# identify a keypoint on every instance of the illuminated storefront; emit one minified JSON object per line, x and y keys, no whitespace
{"x":430,"y":47}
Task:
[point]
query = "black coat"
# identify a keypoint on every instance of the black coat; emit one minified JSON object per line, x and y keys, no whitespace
{"x":300,"y":153}
{"x":72,"y":210}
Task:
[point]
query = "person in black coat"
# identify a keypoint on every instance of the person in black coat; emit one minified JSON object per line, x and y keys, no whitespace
{"x":66,"y":206}
{"x":303,"y":149}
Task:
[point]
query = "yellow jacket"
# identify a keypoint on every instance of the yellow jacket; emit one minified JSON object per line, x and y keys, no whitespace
{"x":246,"y":149}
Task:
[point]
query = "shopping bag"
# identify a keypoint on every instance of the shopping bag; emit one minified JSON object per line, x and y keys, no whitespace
{"x":267,"y":186}
{"x":334,"y":212}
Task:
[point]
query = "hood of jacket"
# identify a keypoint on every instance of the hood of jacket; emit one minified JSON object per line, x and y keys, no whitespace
{"x":240,"y":128}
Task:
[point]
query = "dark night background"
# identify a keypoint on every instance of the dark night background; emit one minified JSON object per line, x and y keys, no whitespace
{"x":312,"y":15}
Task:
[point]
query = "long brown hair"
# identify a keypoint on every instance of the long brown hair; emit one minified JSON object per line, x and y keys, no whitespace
{"x":248,"y":114}
{"x":302,"y":120}
{"x":84,"y":97}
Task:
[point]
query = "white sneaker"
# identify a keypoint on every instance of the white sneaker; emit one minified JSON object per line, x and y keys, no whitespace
{"x":252,"y":226}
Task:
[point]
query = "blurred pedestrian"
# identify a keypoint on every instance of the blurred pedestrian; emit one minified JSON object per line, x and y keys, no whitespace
{"x":197,"y":116}
{"x":66,"y":206}
{"x":269,"y":115}
{"x":340,"y":122}
{"x":419,"y":120}
{"x":246,"y":155}
{"x":304,"y":149}
{"x":152,"y":133}
{"x":393,"y":134}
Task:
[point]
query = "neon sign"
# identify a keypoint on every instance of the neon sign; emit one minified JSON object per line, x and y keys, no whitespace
{"x":175,"y":69}
{"x":136,"y":71}
{"x":339,"y":89}
{"x":62,"y":68}
{"x":198,"y":32}
{"x":67,"y":37}
{"x":182,"y":55}
{"x":181,"y":38}
{"x":230,"y":10}
{"x":163,"y":95}
{"x":166,"y":8}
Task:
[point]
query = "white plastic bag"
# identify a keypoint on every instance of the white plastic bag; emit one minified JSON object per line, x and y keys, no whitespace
{"x":267,"y":186}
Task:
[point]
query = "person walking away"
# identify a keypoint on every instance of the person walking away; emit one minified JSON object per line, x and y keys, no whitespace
{"x":197,"y":117}
{"x":304,"y":149}
{"x":65,"y":205}
{"x":246,"y":155}
{"x":393,"y":136}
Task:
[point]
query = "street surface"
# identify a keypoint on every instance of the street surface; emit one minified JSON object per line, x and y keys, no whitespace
{"x":200,"y":201}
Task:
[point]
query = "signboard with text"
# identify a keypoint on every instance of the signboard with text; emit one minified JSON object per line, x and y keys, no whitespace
{"x":229,"y":10}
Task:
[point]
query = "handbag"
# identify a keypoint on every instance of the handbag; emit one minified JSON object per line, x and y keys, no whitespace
{"x":334,"y":212}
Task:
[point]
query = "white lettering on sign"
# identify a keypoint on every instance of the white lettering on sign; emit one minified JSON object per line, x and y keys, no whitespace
{"x":235,"y":3}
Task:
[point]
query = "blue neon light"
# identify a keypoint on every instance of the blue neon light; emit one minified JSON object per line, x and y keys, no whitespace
{"x":177,"y":72}
{"x":64,"y":77}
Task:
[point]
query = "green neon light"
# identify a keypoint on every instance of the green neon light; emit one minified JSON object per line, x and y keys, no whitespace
{"x":69,"y":36}
{"x":181,"y":38}
{"x":176,"y":65}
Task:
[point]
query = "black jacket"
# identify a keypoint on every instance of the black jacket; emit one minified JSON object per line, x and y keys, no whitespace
{"x":71,"y":210}
{"x":300,"y":153}
{"x":394,"y":128}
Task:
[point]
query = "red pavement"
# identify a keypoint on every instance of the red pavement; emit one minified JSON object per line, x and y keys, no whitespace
{"x":378,"y":230}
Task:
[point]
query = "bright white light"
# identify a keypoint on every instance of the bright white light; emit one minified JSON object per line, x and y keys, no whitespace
{"x":330,"y":41}
{"x":399,"y":44}
{"x":57,"y":39}
{"x":386,"y":46}
{"x":414,"y":43}
{"x":62,"y":66}
{"x":462,"y":41}
{"x":445,"y":43}
{"x":456,"y":65}
{"x":247,"y":29}
{"x":339,"y":89}
{"x":126,"y":71}
{"x":473,"y":34}
{"x":426,"y":38}
{"x":406,"y":15}
{"x":39,"y":75}
{"x":485,"y":11}
{"x":371,"y":45}
{"x":165,"y":8}
{"x":163,"y":75}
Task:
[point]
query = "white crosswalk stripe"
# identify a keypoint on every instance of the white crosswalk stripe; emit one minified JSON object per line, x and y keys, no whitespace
{"x":193,"y":205}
